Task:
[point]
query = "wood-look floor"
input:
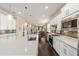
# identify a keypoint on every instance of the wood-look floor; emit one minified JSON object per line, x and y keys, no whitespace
{"x":44,"y":49}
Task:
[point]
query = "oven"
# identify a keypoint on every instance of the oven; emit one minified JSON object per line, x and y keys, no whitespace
{"x":51,"y":40}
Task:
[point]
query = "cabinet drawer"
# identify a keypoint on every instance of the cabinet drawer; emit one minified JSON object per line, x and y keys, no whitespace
{"x":69,"y":51}
{"x":72,"y":51}
{"x":63,"y":49}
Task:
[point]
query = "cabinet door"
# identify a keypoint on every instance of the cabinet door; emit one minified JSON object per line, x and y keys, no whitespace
{"x":13,"y":24}
{"x":69,"y":51}
{"x":61,"y":48}
{"x":56,"y":45}
{"x":73,"y":7}
{"x":14,"y":37}
{"x":69,"y":9}
{"x":3,"y":22}
{"x":64,"y":50}
{"x":3,"y":41}
{"x":9,"y":24}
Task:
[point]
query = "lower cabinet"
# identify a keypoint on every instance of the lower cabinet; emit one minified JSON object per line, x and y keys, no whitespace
{"x":9,"y":37}
{"x":70,"y":51}
{"x":63,"y":49}
{"x":3,"y":40}
{"x":56,"y":45}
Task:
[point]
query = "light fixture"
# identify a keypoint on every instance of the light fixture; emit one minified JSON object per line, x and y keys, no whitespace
{"x":46,"y":7}
{"x":10,"y":16}
{"x":25,"y":24}
{"x":44,"y":20}
{"x":19,"y":12}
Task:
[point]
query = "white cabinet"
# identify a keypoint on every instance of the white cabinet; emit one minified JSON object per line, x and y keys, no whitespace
{"x":11,"y":24}
{"x":69,"y":8}
{"x":70,"y":51}
{"x":63,"y":49}
{"x":11,"y":37}
{"x":7,"y":38}
{"x":56,"y":45}
{"x":5,"y":23}
{"x":14,"y":37}
{"x":3,"y":40}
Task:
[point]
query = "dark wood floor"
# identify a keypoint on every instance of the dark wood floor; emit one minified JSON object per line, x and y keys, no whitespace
{"x":44,"y":49}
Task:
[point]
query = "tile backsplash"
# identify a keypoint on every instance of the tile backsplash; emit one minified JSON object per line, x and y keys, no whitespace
{"x":7,"y":31}
{"x":70,"y":32}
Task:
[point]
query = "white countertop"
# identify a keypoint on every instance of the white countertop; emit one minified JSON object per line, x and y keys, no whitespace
{"x":32,"y":46}
{"x":4,"y":35}
{"x":19,"y":47}
{"x":68,"y":40}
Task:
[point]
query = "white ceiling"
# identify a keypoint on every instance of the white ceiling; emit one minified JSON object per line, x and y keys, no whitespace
{"x":40,"y":15}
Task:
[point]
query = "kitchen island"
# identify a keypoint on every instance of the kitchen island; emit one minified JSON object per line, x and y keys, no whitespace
{"x":11,"y":46}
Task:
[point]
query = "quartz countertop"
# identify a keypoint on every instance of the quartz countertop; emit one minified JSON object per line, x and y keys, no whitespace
{"x":4,"y":35}
{"x":68,"y":40}
{"x":19,"y":47}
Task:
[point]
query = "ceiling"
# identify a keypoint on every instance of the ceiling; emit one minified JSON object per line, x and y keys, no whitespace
{"x":35,"y":13}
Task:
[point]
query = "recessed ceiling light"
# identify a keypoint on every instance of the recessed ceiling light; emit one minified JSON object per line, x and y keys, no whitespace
{"x":25,"y":24}
{"x":19,"y":12}
{"x":44,"y":20}
{"x":46,"y":7}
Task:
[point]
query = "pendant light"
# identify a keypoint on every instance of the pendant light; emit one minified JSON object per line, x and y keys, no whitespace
{"x":10,"y":15}
{"x":28,"y":7}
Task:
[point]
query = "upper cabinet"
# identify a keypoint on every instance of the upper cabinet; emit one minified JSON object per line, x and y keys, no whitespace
{"x":69,"y":8}
{"x":6,"y":24}
{"x":3,"y":22}
{"x":11,"y":24}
